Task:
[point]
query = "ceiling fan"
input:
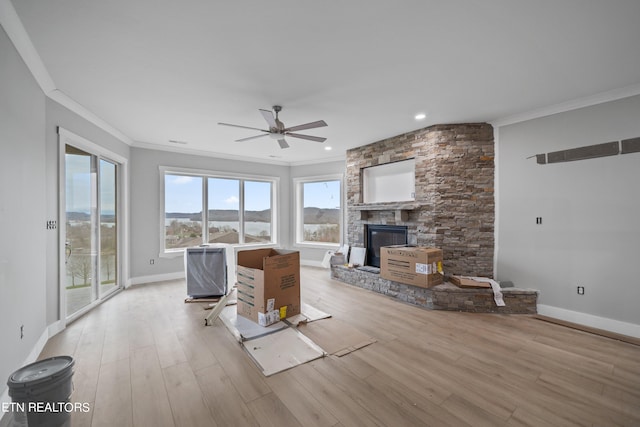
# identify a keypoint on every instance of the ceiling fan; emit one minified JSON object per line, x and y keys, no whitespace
{"x":278,"y":131}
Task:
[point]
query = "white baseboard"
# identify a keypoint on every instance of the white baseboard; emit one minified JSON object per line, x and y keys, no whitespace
{"x":155,"y":278}
{"x":311,"y":263}
{"x":32,"y":357}
{"x":611,"y":325}
{"x":56,"y":327}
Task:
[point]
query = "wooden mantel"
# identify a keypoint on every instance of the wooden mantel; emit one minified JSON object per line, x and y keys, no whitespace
{"x":401,"y":209}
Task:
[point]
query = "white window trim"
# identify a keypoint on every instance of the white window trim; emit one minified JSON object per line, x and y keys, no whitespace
{"x":203,"y":173}
{"x":298,"y":221}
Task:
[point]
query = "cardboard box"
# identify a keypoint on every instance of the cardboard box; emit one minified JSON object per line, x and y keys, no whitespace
{"x":413,"y":265}
{"x":268,"y":285}
{"x":468,"y":282}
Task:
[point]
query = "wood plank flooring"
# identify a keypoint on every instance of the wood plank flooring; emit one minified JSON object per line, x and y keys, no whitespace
{"x":145,"y":358}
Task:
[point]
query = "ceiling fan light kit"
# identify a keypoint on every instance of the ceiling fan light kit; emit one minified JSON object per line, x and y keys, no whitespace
{"x":278,"y":131}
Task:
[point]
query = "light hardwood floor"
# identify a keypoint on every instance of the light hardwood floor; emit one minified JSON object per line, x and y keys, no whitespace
{"x":145,"y":358}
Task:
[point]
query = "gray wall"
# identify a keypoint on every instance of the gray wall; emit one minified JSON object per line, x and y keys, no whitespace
{"x":22,"y":215}
{"x":590,"y":234}
{"x":59,"y":116}
{"x":145,"y":203}
{"x":309,"y":255}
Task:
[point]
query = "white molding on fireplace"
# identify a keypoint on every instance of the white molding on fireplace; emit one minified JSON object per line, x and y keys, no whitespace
{"x":496,"y":199}
{"x":590,"y":320}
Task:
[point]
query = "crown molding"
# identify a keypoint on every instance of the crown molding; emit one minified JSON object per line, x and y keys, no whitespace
{"x":342,"y":158}
{"x":193,"y":151}
{"x":68,"y":102}
{"x":587,"y":101}
{"x":18,"y":35}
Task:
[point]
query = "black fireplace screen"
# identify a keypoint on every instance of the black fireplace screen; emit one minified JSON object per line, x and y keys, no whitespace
{"x":382,"y":235}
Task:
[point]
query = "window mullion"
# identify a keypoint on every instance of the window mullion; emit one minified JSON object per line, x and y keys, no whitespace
{"x":241,"y":212}
{"x":300,"y":208}
{"x":205,"y":210}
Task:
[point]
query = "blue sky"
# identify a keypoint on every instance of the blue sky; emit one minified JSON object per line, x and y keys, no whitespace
{"x":184,"y":194}
{"x":322,"y":194}
{"x":78,"y":185}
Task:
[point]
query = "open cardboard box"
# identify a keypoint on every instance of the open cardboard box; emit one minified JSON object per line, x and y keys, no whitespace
{"x":268,"y":285}
{"x":468,"y":282}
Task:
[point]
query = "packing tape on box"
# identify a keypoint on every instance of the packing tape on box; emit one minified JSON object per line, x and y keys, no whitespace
{"x":426,"y":268}
{"x":268,"y":318}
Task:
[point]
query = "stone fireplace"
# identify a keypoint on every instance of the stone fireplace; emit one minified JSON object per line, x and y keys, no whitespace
{"x":453,"y":208}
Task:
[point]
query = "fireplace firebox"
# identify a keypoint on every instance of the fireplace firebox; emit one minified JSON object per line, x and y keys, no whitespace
{"x":377,"y":236}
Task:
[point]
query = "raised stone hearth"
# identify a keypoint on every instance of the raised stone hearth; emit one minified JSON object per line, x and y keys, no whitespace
{"x":441,"y":297}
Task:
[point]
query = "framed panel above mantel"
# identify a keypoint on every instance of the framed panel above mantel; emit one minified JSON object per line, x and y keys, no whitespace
{"x":389,"y":182}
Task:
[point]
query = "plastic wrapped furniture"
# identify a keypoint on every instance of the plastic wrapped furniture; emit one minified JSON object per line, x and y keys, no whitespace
{"x":209,"y":270}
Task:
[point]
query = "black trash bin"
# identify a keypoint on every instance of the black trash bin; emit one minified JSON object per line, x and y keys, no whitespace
{"x":43,"y":390}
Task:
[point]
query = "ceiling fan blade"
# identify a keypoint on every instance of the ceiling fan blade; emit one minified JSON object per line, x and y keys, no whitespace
{"x":252,"y":137}
{"x":268,"y":116}
{"x":283,"y":143}
{"x":309,"y":137}
{"x":318,"y":124}
{"x":243,"y":127}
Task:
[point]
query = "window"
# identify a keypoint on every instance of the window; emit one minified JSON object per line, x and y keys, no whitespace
{"x":202,"y":208}
{"x":224,"y":210}
{"x":319,"y":210}
{"x":183,"y":211}
{"x":257,"y":218}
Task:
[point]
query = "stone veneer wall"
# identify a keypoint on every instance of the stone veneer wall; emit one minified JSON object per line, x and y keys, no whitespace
{"x":454,"y":193}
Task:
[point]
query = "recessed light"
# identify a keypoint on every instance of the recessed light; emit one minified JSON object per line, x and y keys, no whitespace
{"x":328,"y":148}
{"x":420,"y":116}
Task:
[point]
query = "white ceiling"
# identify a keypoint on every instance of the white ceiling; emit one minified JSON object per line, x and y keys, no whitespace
{"x":159,"y":70}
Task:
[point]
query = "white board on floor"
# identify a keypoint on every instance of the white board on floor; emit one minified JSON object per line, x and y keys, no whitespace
{"x":307,"y":314}
{"x":282,"y":350}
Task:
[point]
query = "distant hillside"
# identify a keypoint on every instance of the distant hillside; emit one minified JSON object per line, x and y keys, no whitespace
{"x":224,"y":215}
{"x":321,"y":216}
{"x":78,"y":216}
{"x":82,"y":216}
{"x":311,"y":215}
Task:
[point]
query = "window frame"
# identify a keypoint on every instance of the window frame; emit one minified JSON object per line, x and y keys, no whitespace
{"x":298,"y":216}
{"x":205,"y":175}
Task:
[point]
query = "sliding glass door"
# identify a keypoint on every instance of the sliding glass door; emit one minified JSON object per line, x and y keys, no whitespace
{"x":91,"y":225}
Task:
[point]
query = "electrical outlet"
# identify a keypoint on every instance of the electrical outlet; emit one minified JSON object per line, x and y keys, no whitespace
{"x":539,"y":220}
{"x":580,"y":290}
{"x":152,"y":261}
{"x":21,"y":331}
{"x":52,"y":225}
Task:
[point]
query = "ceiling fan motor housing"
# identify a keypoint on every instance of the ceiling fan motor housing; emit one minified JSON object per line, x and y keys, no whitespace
{"x":279,"y":129}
